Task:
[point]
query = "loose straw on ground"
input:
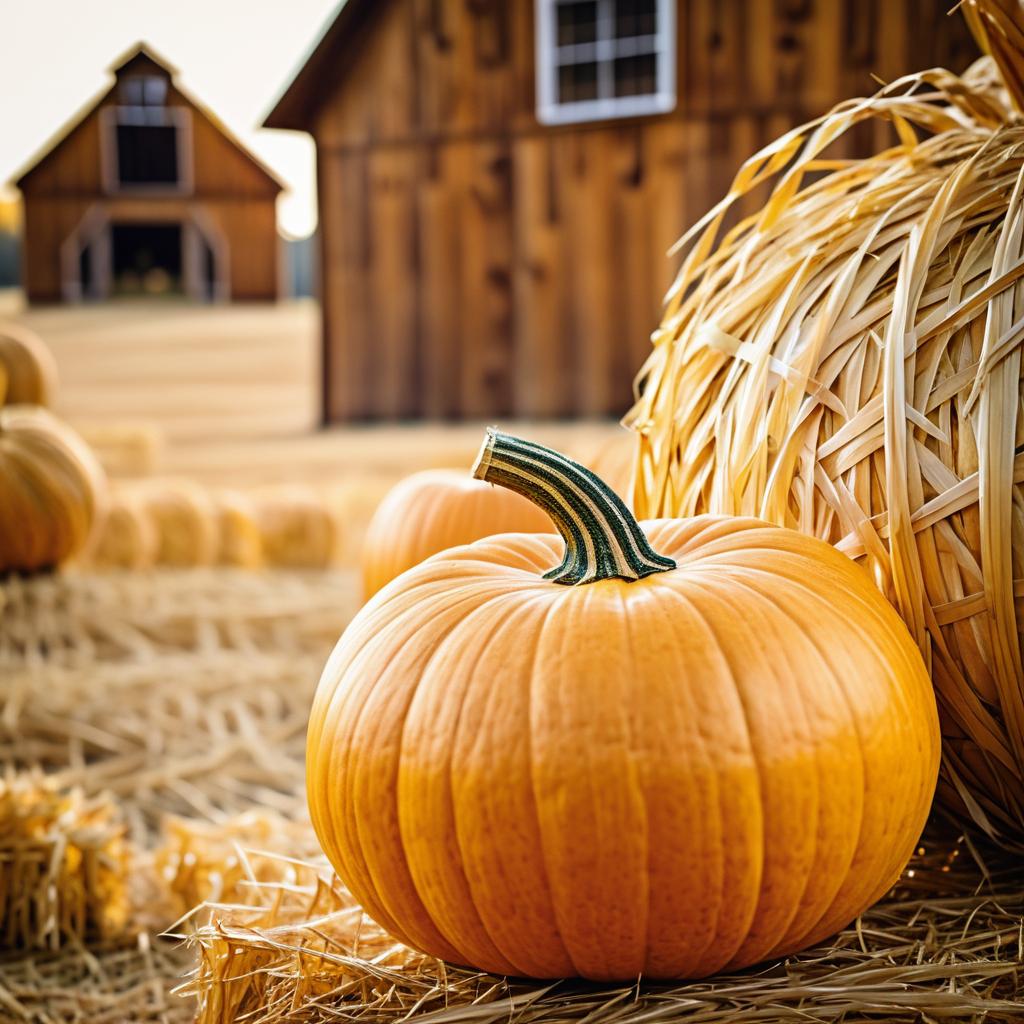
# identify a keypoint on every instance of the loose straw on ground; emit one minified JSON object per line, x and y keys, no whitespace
{"x":946,"y":944}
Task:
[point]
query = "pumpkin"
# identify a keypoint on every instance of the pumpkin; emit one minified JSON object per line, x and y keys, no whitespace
{"x":128,"y":538}
{"x":29,"y":370}
{"x":690,"y":746}
{"x":186,"y":524}
{"x":437,"y":509}
{"x":847,"y":361}
{"x":52,"y":490}
{"x":241,"y":542}
{"x":299,"y":530}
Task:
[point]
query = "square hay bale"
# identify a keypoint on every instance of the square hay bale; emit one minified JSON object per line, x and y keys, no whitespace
{"x":64,"y":867}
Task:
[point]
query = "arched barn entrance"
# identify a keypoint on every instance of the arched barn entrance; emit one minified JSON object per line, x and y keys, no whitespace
{"x":125,"y":253}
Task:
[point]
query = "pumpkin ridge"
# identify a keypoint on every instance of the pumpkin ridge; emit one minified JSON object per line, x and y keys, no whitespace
{"x":884,"y":658}
{"x":390,"y":788}
{"x":634,"y":746}
{"x":496,"y":952}
{"x":668,"y":628}
{"x":365,"y":875}
{"x":761,"y":772}
{"x":545,"y":879}
{"x":534,"y":803}
{"x":742,"y":933}
{"x":852,"y":722}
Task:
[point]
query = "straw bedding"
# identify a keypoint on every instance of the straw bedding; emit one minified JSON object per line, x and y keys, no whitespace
{"x":300,"y":951}
{"x":848,"y":362}
{"x":182,"y":696}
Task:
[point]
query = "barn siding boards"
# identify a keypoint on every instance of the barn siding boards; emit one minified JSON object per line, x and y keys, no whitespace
{"x":508,"y":268}
{"x":542,"y":359}
{"x":232,"y":198}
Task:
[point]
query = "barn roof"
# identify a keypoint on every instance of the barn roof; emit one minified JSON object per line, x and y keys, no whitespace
{"x":323,"y":63}
{"x":139,"y":53}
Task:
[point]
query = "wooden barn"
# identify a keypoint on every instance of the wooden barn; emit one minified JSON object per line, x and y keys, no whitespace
{"x":145,"y":192}
{"x":499,"y":181}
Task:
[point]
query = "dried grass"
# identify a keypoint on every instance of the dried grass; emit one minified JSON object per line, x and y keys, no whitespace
{"x":177,"y":692}
{"x":187,"y":692}
{"x":64,"y":867}
{"x":946,"y":944}
{"x":848,"y":362}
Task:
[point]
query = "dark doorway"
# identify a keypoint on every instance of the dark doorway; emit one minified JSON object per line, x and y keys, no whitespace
{"x":209,"y":271}
{"x":85,"y":272}
{"x":146,"y":259}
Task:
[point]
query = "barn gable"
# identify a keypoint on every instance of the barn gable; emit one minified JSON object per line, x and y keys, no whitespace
{"x":67,"y":163}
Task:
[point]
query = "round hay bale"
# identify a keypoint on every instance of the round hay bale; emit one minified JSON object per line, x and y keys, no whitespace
{"x":29,"y":369}
{"x":848,"y":362}
{"x":241,"y":540}
{"x":186,"y":522}
{"x":129,"y":538}
{"x":299,"y":530}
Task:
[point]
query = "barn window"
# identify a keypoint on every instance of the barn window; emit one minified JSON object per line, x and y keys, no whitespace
{"x":146,"y":142}
{"x":604,"y":58}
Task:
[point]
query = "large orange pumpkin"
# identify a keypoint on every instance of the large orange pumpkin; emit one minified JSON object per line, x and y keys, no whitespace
{"x":665,"y":764}
{"x":434,"y":510}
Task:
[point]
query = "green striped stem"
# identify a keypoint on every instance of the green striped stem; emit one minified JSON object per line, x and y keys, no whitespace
{"x":602,"y":539}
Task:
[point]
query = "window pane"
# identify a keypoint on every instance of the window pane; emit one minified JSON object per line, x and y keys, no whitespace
{"x":577,"y":82}
{"x":577,"y":22}
{"x":147,"y":155}
{"x":636,"y":76}
{"x":131,"y":91}
{"x":154,"y":91}
{"x":635,"y":18}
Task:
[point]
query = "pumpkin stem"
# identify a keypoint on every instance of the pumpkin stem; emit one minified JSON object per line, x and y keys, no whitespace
{"x":603,"y":540}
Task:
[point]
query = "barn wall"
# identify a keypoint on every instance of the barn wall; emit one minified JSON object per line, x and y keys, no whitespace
{"x":476,"y":263}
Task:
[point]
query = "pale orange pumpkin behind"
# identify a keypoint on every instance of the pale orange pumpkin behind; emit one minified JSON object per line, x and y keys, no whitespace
{"x":436,"y":509}
{"x":724,"y":758}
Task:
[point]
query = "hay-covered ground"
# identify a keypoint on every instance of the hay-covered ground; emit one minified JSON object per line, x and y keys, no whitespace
{"x":176,"y":702}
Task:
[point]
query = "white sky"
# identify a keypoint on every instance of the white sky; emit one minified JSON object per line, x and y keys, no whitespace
{"x":234,"y":55}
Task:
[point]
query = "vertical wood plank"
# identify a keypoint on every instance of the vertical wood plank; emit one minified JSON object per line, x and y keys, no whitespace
{"x":541,"y":373}
{"x":485,"y":216}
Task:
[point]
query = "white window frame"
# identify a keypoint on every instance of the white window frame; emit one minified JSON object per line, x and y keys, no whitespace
{"x":604,"y":51}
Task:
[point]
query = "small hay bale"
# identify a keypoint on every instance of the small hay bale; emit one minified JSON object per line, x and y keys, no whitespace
{"x":186,"y":521}
{"x":125,"y":449}
{"x":205,"y":862}
{"x":299,"y":529}
{"x":64,"y":867}
{"x":241,"y":539}
{"x":848,"y":362}
{"x":30,"y":371}
{"x":128,"y":538}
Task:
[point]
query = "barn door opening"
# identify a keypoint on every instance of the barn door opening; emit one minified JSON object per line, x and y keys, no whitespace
{"x":146,"y":259}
